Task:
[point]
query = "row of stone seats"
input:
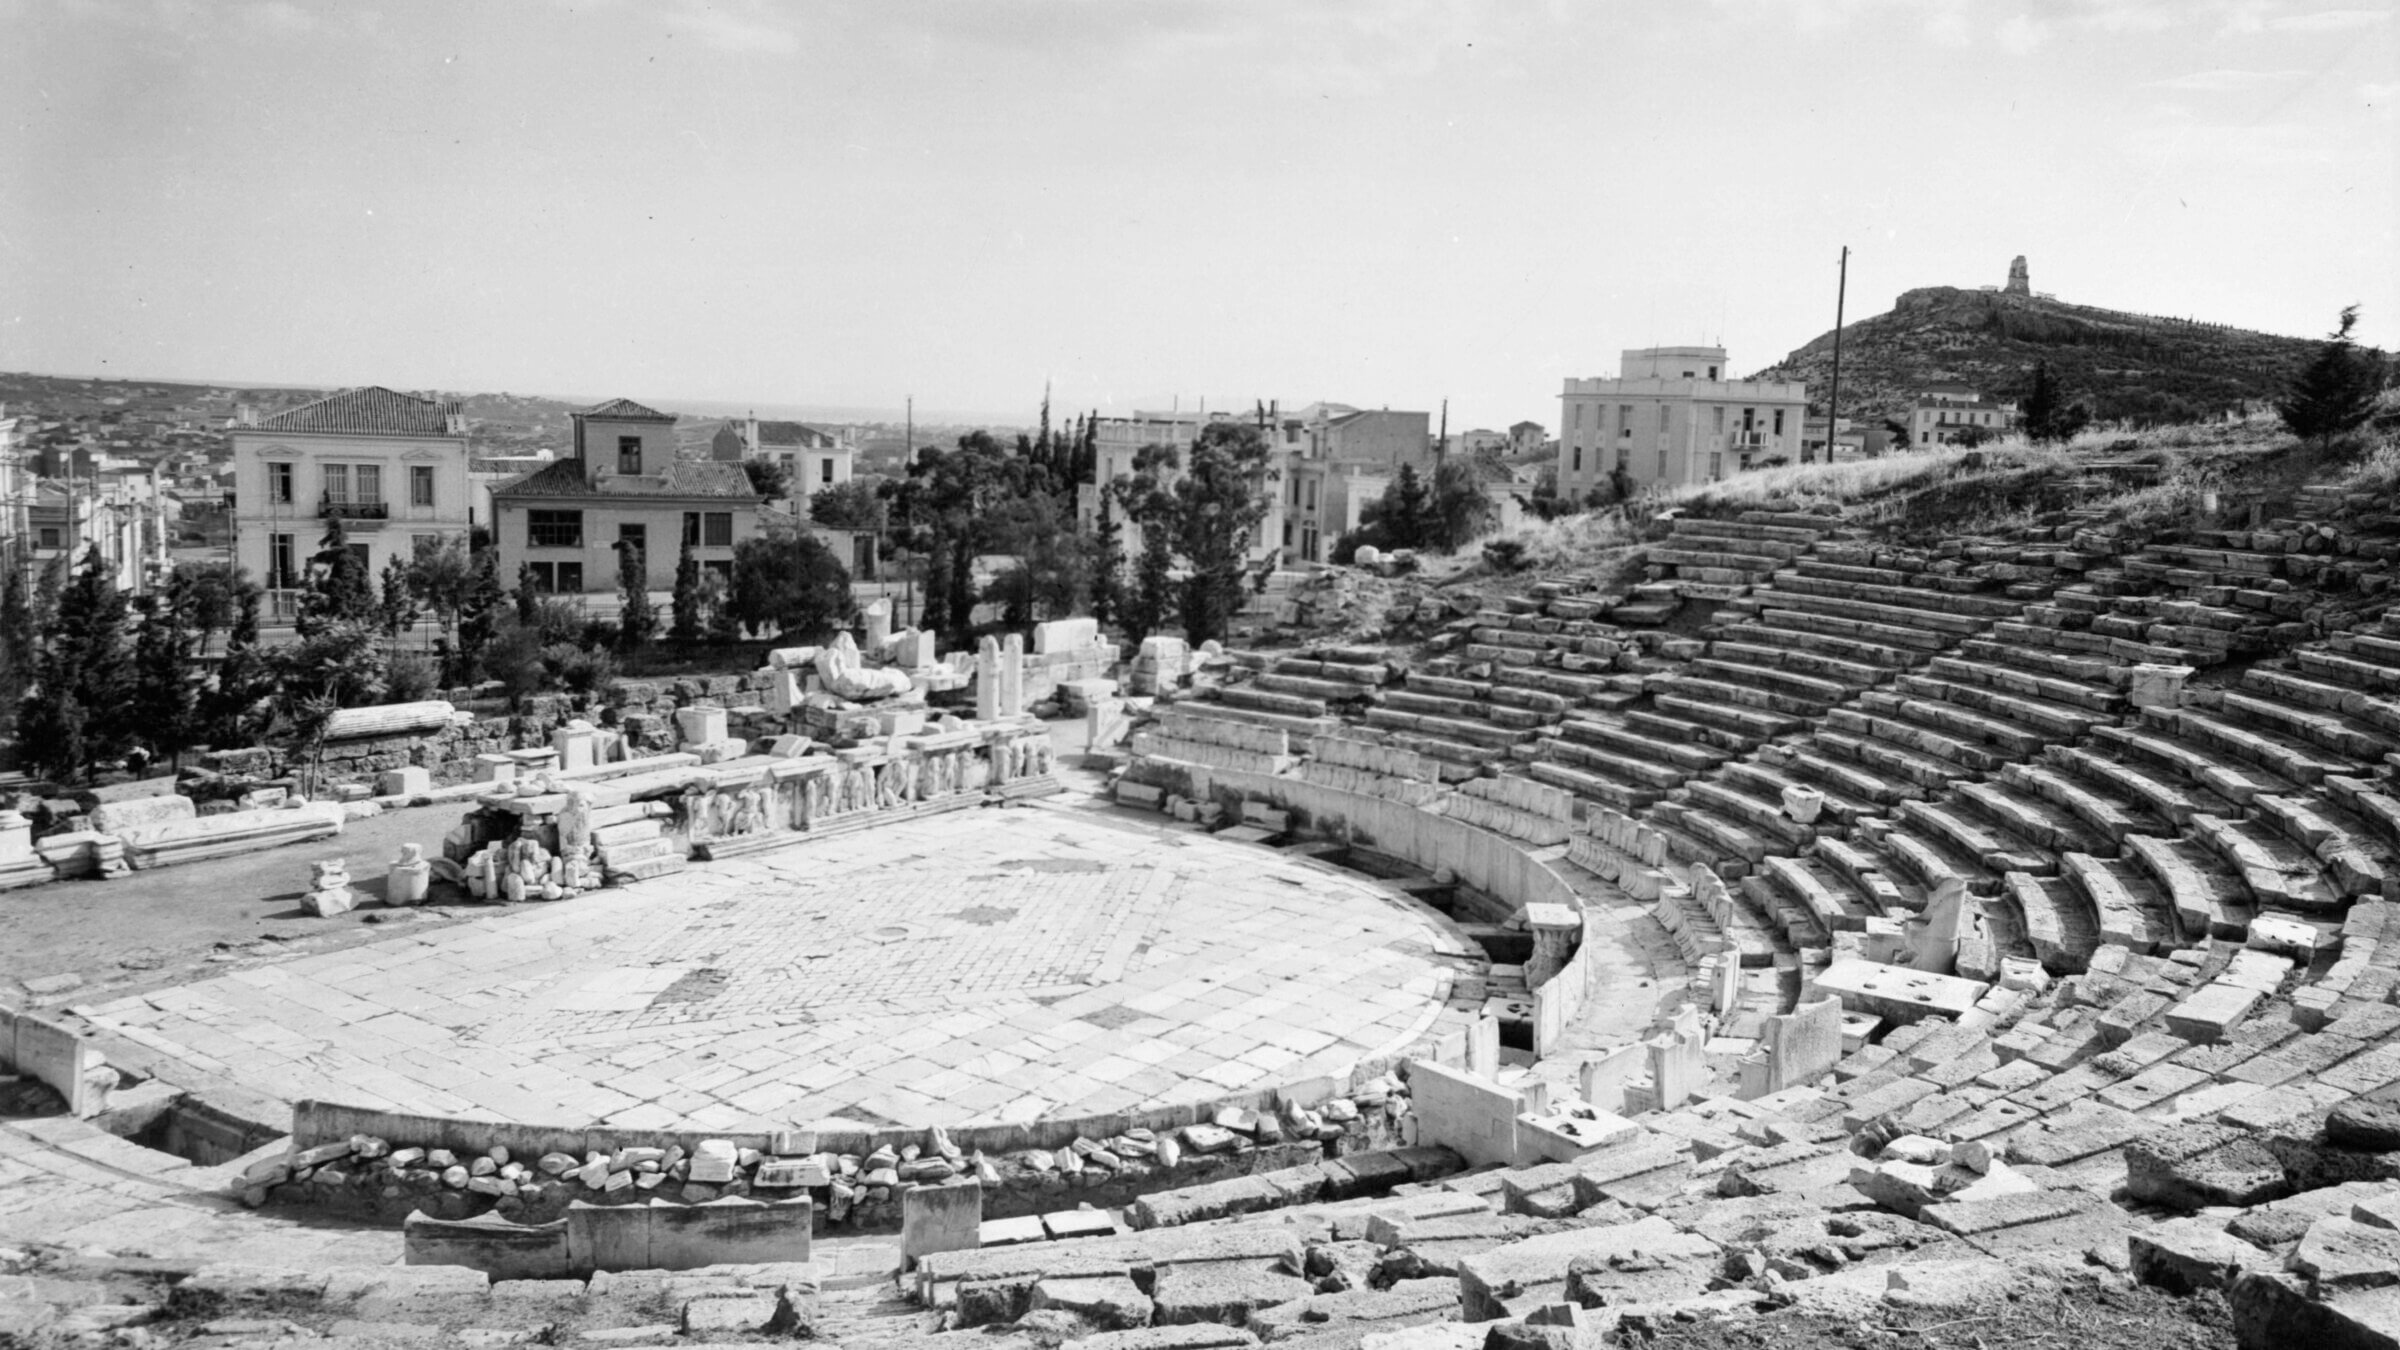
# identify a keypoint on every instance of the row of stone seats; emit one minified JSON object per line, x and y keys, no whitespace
{"x":1330,"y":676}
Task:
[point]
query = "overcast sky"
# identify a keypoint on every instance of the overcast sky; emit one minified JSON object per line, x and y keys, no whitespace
{"x":1375,"y":203}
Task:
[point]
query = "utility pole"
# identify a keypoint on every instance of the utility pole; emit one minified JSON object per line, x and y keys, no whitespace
{"x":1441,"y":444}
{"x":1833,"y":401}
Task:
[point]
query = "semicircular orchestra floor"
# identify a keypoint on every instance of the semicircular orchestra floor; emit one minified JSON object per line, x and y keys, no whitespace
{"x":975,"y":967}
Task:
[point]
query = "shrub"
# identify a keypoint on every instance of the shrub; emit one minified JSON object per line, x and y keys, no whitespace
{"x":582,"y":670}
{"x":409,"y":677}
{"x":1505,"y":555}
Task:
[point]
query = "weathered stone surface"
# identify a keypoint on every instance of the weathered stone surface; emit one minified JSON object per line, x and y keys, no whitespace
{"x":1110,"y":1302}
{"x":2191,"y":1167}
{"x":1223,"y":1292}
{"x":2273,"y":1311}
{"x":1507,"y":1280}
{"x":2184,"y":1256}
{"x":2339,"y":1252}
{"x":2366,"y":1124}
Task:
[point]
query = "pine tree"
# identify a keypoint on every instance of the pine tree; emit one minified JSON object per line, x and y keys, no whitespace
{"x":529,"y":597}
{"x":639,"y":618}
{"x":342,"y":592}
{"x":87,"y":660}
{"x":686,"y":627}
{"x":50,"y":733}
{"x":478,"y":615}
{"x":19,"y":651}
{"x":396,"y":610}
{"x":162,"y":673}
{"x":937,"y":584}
{"x":1409,"y":512}
{"x":2047,"y":416}
{"x":242,"y":677}
{"x":2335,"y":393}
{"x":1108,"y":563}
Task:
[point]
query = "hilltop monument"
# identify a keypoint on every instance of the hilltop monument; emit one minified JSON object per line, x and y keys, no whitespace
{"x":2020,"y":282}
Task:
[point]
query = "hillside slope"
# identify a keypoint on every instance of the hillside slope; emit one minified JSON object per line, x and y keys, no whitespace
{"x":2135,"y":366}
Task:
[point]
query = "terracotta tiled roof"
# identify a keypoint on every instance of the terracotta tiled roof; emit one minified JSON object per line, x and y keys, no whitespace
{"x":374,"y":410}
{"x":626,"y":410}
{"x":795,"y":433}
{"x":683,"y":478}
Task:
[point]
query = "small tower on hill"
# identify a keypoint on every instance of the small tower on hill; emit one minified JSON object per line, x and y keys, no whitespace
{"x":2020,"y":282}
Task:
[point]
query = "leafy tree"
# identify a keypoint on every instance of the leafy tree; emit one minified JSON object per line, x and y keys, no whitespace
{"x":638,"y":618}
{"x":2047,"y":416}
{"x":1206,"y":515}
{"x":212,"y":593}
{"x":445,"y":577}
{"x":19,"y":652}
{"x":1150,"y":600}
{"x":937,"y":585}
{"x":1048,"y":577}
{"x":716,"y":594}
{"x":478,"y":614}
{"x":50,"y":731}
{"x":1459,"y":509}
{"x":686,"y":627}
{"x":48,"y":591}
{"x":786,"y":580}
{"x":855,"y":505}
{"x":767,"y":478}
{"x":2335,"y":393}
{"x":1108,"y":562}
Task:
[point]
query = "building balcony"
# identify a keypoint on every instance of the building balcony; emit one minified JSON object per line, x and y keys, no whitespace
{"x":329,"y":509}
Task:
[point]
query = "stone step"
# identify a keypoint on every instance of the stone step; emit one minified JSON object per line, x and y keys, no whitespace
{"x":1768,"y":783}
{"x":1453,"y":729}
{"x":1754,"y":814}
{"x":1936,"y":608}
{"x":1930,"y":862}
{"x":1627,"y":769}
{"x":1665,"y":555}
{"x":2372,"y":801}
{"x":1831,"y":570}
{"x":1891,"y":749}
{"x":1346,"y":672}
{"x":2092,"y":696}
{"x":1446,"y":686}
{"x":648,"y":869}
{"x":1298,"y":728}
{"x":2099,"y":812}
{"x":1580,"y":779}
{"x":2336,"y":732}
{"x":1877,"y":883}
{"x":1848,"y":780}
{"x":1745,"y":722}
{"x":1802,"y":690}
{"x":1929,"y":627}
{"x":1975,"y":736}
{"x":2355,"y":860}
{"x":1709,"y":837}
{"x":2057,"y":664}
{"x":1804,"y":616}
{"x":1847,"y":675}
{"x":2159,"y":743}
{"x":2336,"y":667}
{"x":1261,"y":700}
{"x":1989,"y":843}
{"x":2130,"y":909}
{"x":2059,"y":921}
{"x":2208,"y":898}
{"x":1761,"y":632}
{"x":1796,"y":539}
{"x":1668,"y":725}
{"x":1825,"y":894}
{"x":2035,"y":722}
{"x":2278,"y":873}
{"x":2278,"y":754}
{"x":1306,"y":687}
{"x":1677,"y":753}
{"x":1556,"y":683}
{"x":2029,"y":816}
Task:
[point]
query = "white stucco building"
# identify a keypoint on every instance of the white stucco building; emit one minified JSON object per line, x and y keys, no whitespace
{"x":1672,"y":415}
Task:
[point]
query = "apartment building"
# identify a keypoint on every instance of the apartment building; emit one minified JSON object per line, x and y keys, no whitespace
{"x":392,"y":467}
{"x":1948,"y":414}
{"x":1673,"y":415}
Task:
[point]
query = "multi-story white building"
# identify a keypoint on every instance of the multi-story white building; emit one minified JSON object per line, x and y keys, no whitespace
{"x":392,"y":467}
{"x":1673,"y":416}
{"x":1947,"y":414}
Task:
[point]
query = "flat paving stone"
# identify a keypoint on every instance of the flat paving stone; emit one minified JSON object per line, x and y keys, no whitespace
{"x":980,"y":966}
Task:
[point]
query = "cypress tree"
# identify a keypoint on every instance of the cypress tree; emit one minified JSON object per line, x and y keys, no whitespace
{"x":2335,"y":393}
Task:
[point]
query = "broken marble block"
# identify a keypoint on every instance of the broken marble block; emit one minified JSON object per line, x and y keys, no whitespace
{"x":329,"y":890}
{"x":410,"y":878}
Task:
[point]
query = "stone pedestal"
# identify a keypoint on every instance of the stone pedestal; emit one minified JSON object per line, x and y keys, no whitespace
{"x":411,"y":876}
{"x":1012,"y":676}
{"x":495,"y":769}
{"x":408,"y":782}
{"x":944,"y":1218}
{"x":987,"y":681}
{"x":2157,"y":686}
{"x":329,"y":890}
{"x":1803,"y":1044}
{"x":577,"y":745}
{"x":700,"y":726}
{"x":1678,"y":1061}
{"x":878,"y":617}
{"x":1802,"y":804}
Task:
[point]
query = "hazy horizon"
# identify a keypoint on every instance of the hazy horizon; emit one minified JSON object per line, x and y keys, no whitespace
{"x":834,"y":205}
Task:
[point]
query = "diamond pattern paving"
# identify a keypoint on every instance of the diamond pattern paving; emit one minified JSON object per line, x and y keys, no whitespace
{"x":1000,"y":965}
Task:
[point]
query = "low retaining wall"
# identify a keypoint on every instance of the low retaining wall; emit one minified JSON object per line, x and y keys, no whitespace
{"x":41,"y":1049}
{"x":1478,"y":857}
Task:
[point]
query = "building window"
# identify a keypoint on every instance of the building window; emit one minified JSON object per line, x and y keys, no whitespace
{"x":1712,"y":372}
{"x":279,"y":484}
{"x":366,"y":557}
{"x":691,"y":527}
{"x":1579,"y":414}
{"x":1779,"y":421}
{"x":629,"y":454}
{"x":1719,"y":410}
{"x":1624,"y":419}
{"x":564,"y":578}
{"x":1310,"y":495}
{"x":825,"y":472}
{"x":420,"y":485}
{"x":1662,"y":466}
{"x":634,"y":536}
{"x":369,"y":482}
{"x":554,"y":529}
{"x":280,"y":566}
{"x":717,"y":529}
{"x":52,"y":538}
{"x":1578,"y":468}
{"x":337,"y":482}
{"x":1716,"y":464}
{"x":721,"y":568}
{"x":1287,"y":534}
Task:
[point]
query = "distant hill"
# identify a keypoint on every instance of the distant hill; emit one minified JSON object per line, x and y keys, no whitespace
{"x":2138,"y":367}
